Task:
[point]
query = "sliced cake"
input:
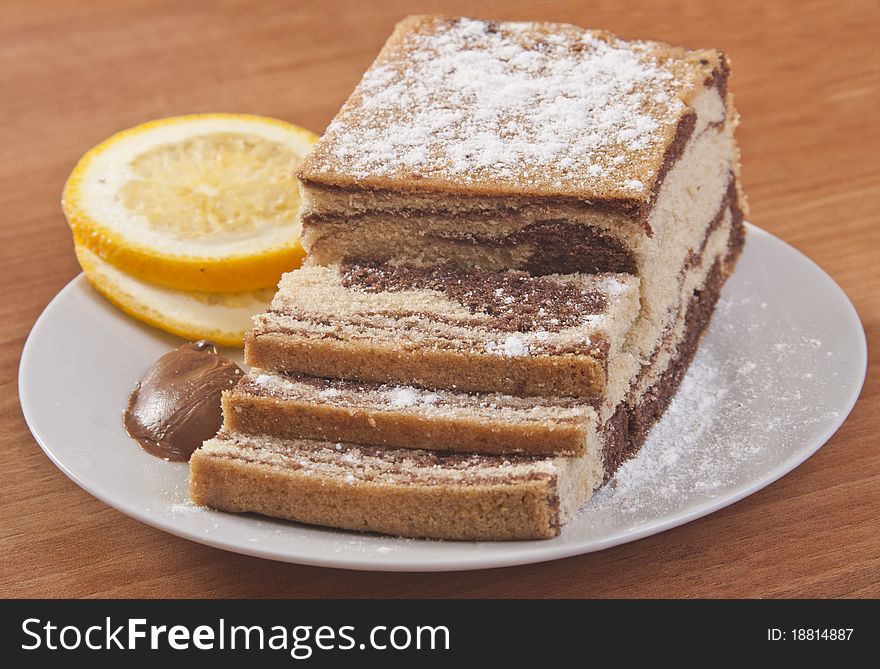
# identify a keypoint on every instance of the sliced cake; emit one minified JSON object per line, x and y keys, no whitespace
{"x":518,"y":233}
{"x":533,"y":146}
{"x":304,"y":407}
{"x":402,"y":492}
{"x":442,"y":327}
{"x":438,"y":493}
{"x":421,"y":493}
{"x":293,"y":405}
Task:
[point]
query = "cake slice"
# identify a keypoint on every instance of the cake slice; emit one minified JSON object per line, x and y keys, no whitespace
{"x":303,"y":407}
{"x":402,"y":492}
{"x":441,"y":327}
{"x":297,"y":406}
{"x":435,"y":494}
{"x":534,"y":146}
{"x":431,"y":494}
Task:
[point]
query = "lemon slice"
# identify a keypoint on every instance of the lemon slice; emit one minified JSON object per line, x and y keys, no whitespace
{"x":205,"y":202}
{"x":221,"y":317}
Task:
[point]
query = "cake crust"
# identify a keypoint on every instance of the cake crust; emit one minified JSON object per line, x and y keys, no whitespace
{"x":285,"y":480}
{"x":405,"y":417}
{"x":466,"y":107}
{"x":566,"y":375}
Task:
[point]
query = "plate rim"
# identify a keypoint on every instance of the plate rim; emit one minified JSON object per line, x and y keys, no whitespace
{"x":478,"y":560}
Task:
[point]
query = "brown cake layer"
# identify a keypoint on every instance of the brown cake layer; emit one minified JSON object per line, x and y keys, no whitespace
{"x":653,"y":404}
{"x":637,"y":418}
{"x":558,"y":246}
{"x":555,"y":246}
{"x":624,"y":210}
{"x":401,"y":492}
{"x":434,"y":327}
{"x":302,"y":407}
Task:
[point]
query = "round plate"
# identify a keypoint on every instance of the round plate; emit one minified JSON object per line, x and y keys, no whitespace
{"x":777,"y":373}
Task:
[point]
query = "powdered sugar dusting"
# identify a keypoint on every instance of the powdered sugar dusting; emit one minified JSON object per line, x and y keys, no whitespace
{"x":734,"y":416}
{"x":670,"y":450}
{"x":403,"y":396}
{"x":615,"y":285}
{"x":266,"y":380}
{"x":526,"y":105}
{"x":510,"y":346}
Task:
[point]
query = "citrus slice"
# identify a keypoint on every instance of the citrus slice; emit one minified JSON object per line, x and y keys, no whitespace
{"x":205,"y":202}
{"x":221,"y":317}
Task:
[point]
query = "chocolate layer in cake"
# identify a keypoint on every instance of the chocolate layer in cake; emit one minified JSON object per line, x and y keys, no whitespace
{"x":435,"y":327}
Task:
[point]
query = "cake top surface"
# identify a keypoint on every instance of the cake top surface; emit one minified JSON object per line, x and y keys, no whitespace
{"x":480,"y":107}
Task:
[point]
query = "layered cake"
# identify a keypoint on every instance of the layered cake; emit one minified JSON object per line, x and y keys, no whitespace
{"x":517,"y":234}
{"x":352,"y":455}
{"x":532,"y":146}
{"x":443,"y":327}
{"x":306,"y":407}
{"x":403,"y":492}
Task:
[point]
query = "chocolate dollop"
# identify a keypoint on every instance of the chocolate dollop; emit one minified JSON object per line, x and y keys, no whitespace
{"x":176,"y":406}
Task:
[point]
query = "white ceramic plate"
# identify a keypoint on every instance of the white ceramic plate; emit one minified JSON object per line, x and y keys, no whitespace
{"x":775,"y":376}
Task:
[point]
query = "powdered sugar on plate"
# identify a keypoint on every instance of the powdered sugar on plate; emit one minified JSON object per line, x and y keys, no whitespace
{"x":731,"y":419}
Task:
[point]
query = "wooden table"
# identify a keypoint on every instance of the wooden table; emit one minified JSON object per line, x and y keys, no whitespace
{"x":806,"y":83}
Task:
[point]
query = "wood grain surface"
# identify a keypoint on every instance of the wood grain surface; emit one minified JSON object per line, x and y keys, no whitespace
{"x":806,"y":83}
